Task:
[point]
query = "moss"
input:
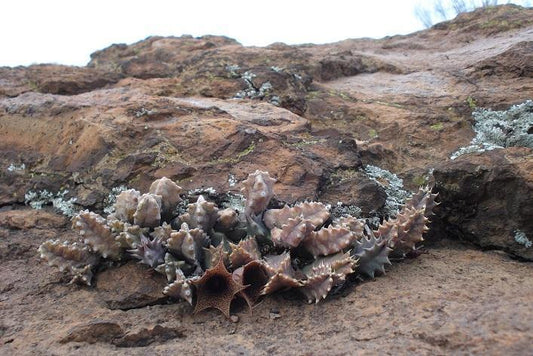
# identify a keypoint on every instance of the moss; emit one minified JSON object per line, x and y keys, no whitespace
{"x":497,"y":24}
{"x":471,"y":103}
{"x":419,"y":181}
{"x":246,"y":151}
{"x":385,"y":103}
{"x":437,"y":127}
{"x":315,"y":94}
{"x":232,"y":160}
{"x":33,"y":85}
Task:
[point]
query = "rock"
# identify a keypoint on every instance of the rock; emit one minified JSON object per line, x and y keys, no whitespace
{"x":130,"y":286}
{"x":205,"y":112}
{"x":349,"y":64}
{"x":136,"y":111}
{"x":356,"y":189}
{"x":514,"y":62}
{"x":111,"y":332}
{"x":147,"y":336}
{"x":31,"y":218}
{"x":486,"y":198}
{"x":94,"y":331}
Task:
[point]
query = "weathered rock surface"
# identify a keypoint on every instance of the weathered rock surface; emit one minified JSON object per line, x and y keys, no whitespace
{"x":94,"y":331}
{"x":27,"y":219}
{"x":487,"y":198}
{"x":138,"y":112}
{"x":130,"y":286}
{"x":207,"y":111}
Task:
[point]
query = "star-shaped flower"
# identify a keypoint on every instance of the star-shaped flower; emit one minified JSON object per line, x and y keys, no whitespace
{"x":216,"y":289}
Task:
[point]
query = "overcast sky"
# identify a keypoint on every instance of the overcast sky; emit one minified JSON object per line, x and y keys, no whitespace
{"x":68,"y":31}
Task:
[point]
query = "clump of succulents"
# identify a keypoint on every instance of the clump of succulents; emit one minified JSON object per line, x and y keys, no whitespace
{"x":211,"y":255}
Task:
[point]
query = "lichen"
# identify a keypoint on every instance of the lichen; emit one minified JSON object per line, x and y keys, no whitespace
{"x":340,"y":209}
{"x":521,"y":238}
{"x":206,"y":190}
{"x":393,"y":186}
{"x":437,"y":127}
{"x":232,"y":181}
{"x":15,"y":168}
{"x":499,"y":129}
{"x":38,"y":199}
{"x":112,"y":198}
{"x":144,"y":112}
{"x":234,"y":201}
{"x":252,"y":90}
{"x":233,"y":70}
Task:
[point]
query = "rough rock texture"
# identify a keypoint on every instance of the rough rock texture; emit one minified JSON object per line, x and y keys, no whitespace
{"x":311,"y":115}
{"x":487,"y":198}
{"x":130,"y":286}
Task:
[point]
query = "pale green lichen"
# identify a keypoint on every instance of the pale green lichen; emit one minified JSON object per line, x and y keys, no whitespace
{"x":471,"y":103}
{"x":41,"y":198}
{"x":234,"y":201}
{"x":437,"y":127}
{"x":112,"y":198}
{"x":233,"y":70}
{"x":499,"y":129}
{"x":252,"y":91}
{"x":340,"y":210}
{"x":14,"y":168}
{"x":232,"y":181}
{"x":522,"y":239}
{"x":144,"y":112}
{"x":393,"y":186}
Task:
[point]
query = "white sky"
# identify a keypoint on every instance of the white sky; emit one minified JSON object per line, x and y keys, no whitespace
{"x":68,"y":31}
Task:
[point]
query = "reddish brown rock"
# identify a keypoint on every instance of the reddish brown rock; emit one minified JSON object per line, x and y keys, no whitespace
{"x":130,"y":286}
{"x":206,"y":112}
{"x":486,"y":198}
{"x":356,"y":189}
{"x":147,"y":336}
{"x":31,"y":218}
{"x":94,"y":331}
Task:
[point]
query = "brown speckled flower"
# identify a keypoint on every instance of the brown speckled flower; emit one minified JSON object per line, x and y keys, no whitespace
{"x":216,"y":289}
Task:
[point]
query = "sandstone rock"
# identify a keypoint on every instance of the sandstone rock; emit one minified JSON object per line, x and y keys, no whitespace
{"x":147,"y":336}
{"x":354,"y":188}
{"x":514,"y":62}
{"x":130,"y":286}
{"x":111,"y":332}
{"x":311,"y":115}
{"x":94,"y":331}
{"x":31,"y":218}
{"x":486,"y":198}
{"x":119,"y":120}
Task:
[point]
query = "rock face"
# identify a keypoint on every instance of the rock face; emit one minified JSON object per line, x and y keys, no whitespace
{"x":486,"y":198}
{"x":130,"y":286}
{"x":207,"y":111}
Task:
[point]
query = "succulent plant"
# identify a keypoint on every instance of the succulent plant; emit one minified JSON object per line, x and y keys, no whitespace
{"x":211,"y":256}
